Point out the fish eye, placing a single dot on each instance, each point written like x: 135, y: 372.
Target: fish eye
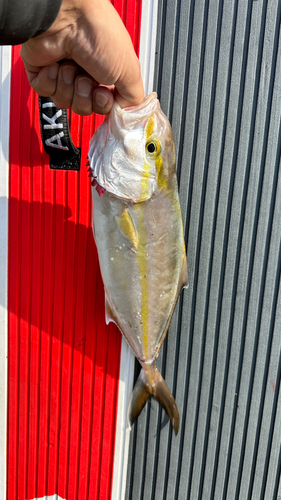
x: 153, y: 148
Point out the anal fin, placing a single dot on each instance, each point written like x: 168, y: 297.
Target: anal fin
x: 110, y: 317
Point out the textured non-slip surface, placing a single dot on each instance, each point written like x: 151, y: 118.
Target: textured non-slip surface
x: 64, y: 361
x: 218, y: 76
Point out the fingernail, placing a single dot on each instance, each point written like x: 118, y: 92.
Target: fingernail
x: 101, y: 100
x: 68, y: 74
x: 53, y: 71
x: 84, y: 87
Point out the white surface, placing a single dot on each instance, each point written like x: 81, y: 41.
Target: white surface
x: 148, y: 42
x: 50, y: 497
x: 126, y: 375
x: 5, y: 67
x: 147, y: 58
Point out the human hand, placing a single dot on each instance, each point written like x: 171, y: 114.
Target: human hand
x: 89, y: 34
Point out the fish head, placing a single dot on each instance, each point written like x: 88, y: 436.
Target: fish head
x: 132, y: 154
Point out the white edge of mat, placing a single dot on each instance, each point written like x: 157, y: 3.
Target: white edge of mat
x: 49, y: 497
x: 147, y: 60
x: 5, y: 78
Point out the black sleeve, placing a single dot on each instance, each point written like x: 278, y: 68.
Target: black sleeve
x: 24, y: 19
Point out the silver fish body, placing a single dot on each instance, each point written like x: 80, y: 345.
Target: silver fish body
x: 142, y: 256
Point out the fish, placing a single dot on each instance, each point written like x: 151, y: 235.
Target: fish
x: 138, y: 231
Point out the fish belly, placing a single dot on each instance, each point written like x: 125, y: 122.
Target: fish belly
x: 143, y: 265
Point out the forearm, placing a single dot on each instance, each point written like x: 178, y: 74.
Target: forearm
x: 21, y: 20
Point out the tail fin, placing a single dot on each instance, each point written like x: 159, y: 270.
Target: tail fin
x: 151, y: 383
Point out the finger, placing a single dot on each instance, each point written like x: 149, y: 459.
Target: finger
x: 129, y: 90
x: 113, y: 60
x: 63, y: 95
x: 43, y: 80
x: 82, y: 103
x: 103, y: 100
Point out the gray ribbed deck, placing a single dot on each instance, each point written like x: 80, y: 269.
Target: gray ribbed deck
x: 218, y: 77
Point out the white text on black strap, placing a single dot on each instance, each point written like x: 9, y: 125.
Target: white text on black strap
x: 55, y: 140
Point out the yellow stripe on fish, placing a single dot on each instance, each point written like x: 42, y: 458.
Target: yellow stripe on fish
x: 150, y: 127
x: 162, y: 180
x: 155, y: 153
x: 141, y: 229
x: 145, y: 182
x: 142, y: 252
x: 143, y: 269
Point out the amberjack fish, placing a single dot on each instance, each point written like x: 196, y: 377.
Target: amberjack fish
x: 139, y: 236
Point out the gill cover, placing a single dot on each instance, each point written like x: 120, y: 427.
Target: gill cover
x: 124, y: 150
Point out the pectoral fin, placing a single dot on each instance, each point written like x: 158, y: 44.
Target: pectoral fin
x: 126, y: 227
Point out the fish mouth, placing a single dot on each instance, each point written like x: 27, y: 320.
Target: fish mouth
x: 147, y: 102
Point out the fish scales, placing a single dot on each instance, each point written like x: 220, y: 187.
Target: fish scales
x: 139, y: 236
